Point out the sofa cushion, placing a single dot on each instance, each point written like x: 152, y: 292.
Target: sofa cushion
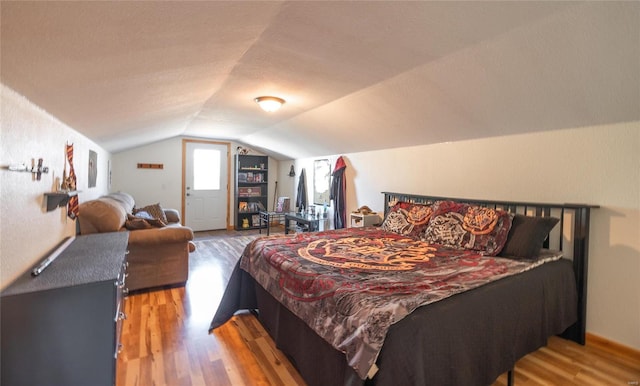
x: 160, y: 236
x: 173, y: 216
x: 125, y: 199
x: 101, y: 215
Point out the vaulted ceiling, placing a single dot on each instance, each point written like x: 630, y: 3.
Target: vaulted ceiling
x: 356, y: 76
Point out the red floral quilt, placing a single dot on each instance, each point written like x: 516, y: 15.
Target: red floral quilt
x: 350, y: 285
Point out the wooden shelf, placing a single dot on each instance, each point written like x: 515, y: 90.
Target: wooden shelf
x: 58, y: 199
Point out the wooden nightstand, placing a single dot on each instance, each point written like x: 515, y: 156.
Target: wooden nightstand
x: 358, y: 220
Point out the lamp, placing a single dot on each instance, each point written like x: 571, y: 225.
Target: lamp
x: 269, y: 103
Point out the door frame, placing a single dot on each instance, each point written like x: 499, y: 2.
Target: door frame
x: 184, y: 173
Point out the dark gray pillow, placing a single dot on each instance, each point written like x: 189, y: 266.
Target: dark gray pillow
x: 527, y: 235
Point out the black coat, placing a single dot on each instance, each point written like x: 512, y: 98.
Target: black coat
x: 301, y: 198
x: 338, y: 194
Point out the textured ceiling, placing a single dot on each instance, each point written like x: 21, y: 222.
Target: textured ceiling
x: 356, y: 76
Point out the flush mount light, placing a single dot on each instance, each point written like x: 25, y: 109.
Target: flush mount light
x: 269, y: 103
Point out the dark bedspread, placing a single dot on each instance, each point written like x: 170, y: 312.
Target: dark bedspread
x: 468, y: 338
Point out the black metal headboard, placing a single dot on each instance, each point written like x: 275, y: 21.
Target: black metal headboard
x: 571, y: 237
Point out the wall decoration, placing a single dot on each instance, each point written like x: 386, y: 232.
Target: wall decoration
x: 93, y: 168
x: 70, y: 182
x: 35, y: 170
x: 150, y: 166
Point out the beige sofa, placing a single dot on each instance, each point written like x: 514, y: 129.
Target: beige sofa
x: 158, y: 256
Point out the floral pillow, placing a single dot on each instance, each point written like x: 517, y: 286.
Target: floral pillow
x: 465, y: 226
x: 408, y: 219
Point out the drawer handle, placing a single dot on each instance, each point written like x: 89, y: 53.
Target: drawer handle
x: 122, y: 316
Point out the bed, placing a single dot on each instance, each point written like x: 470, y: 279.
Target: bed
x: 447, y: 291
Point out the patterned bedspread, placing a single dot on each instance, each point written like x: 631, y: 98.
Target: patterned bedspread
x: 351, y: 285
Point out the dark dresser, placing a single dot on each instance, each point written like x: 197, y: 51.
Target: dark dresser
x: 62, y: 327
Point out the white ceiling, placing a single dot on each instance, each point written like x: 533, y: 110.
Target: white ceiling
x: 356, y: 76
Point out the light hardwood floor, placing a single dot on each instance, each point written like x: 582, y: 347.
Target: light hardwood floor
x: 165, y: 338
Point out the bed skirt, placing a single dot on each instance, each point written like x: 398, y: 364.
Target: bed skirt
x: 470, y: 338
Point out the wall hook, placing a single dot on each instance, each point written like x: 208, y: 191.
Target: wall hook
x: 34, y: 169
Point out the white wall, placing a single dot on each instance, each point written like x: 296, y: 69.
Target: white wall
x: 151, y: 186
x: 595, y: 165
x: 164, y: 186
x: 27, y: 231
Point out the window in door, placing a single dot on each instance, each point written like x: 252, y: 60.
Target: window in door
x: 206, y: 169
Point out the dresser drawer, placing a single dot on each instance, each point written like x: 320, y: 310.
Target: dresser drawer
x: 120, y: 315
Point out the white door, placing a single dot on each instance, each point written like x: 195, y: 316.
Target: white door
x: 206, y: 186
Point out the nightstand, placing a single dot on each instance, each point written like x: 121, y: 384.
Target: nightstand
x: 358, y: 220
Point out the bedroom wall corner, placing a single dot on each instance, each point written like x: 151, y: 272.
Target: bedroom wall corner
x: 597, y: 165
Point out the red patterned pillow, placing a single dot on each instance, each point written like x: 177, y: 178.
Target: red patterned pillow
x: 408, y: 219
x: 465, y: 226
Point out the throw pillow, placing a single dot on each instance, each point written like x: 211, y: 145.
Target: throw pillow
x: 142, y: 220
x: 408, y: 219
x: 527, y: 235
x: 465, y: 226
x: 154, y: 210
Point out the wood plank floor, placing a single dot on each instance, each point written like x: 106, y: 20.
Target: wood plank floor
x: 165, y: 338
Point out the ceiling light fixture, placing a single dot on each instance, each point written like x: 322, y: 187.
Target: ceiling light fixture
x: 269, y: 103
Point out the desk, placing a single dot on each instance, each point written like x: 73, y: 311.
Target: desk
x: 310, y: 223
x: 267, y: 217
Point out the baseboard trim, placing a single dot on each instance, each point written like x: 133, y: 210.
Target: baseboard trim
x: 612, y: 347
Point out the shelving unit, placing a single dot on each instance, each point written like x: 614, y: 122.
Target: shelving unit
x: 251, y: 193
